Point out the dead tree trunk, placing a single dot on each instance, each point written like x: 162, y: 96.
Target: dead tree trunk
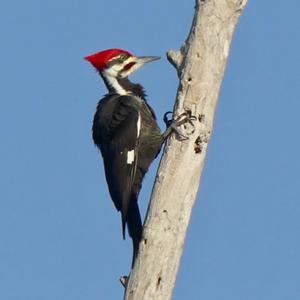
x: 200, y: 65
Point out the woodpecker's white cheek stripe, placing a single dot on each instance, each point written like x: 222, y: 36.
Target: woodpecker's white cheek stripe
x: 130, y: 157
x: 115, y: 84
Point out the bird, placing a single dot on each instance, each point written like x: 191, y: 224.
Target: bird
x: 126, y: 131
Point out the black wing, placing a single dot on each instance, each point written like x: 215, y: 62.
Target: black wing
x: 115, y: 131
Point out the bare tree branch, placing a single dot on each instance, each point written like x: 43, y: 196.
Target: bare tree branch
x: 200, y: 66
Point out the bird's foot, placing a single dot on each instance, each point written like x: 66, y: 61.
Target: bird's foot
x: 186, y: 119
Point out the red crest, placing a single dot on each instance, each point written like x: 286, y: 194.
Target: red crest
x: 100, y: 59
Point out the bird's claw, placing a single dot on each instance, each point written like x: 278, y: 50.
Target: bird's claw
x: 186, y: 118
x: 179, y: 134
x: 183, y: 119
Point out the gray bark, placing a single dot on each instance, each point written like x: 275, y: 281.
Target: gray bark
x: 200, y: 66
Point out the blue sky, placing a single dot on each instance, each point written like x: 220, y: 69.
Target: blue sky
x: 60, y: 234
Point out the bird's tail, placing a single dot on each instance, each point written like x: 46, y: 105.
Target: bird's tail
x: 135, y: 227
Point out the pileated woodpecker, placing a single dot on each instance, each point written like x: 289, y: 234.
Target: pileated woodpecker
x: 126, y: 132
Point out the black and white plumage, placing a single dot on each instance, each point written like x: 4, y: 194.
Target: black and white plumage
x: 126, y: 132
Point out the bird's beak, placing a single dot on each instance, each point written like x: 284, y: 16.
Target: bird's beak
x: 145, y: 59
x: 134, y: 63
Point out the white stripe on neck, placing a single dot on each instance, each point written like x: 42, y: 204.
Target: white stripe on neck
x: 138, y: 126
x: 114, y: 83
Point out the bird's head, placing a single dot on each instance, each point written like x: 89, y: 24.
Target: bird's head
x: 117, y: 63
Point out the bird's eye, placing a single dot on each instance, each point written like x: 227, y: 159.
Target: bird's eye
x: 123, y: 56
